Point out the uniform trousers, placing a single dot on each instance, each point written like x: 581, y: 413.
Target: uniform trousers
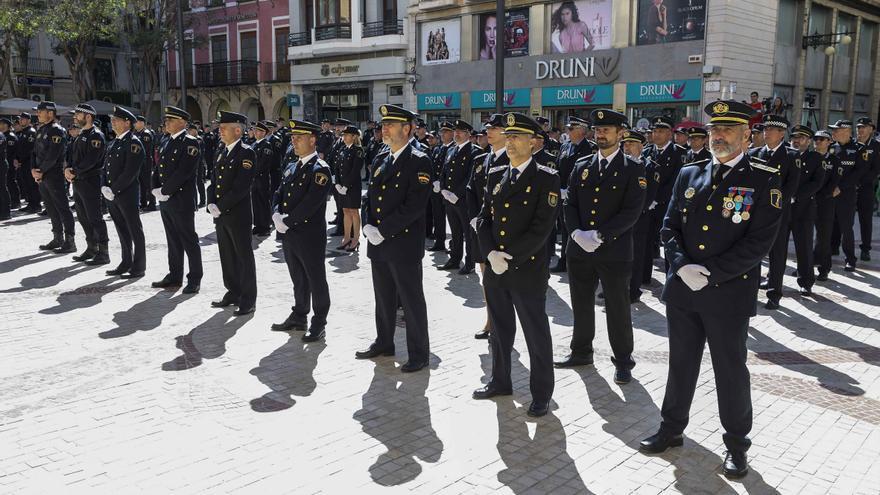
x: 778, y: 256
x: 180, y: 232
x: 124, y: 212
x: 803, y: 218
x: 30, y: 190
x: 146, y: 183
x: 53, y: 189
x: 843, y: 235
x: 87, y: 202
x: 261, y: 199
x: 643, y: 256
x: 393, y: 282
x: 237, y: 255
x: 865, y: 206
x: 305, y: 262
x: 5, y: 201
x: 438, y: 215
x: 462, y: 233
x: 824, y: 227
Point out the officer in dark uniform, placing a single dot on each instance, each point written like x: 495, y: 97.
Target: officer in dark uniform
x: 803, y: 209
x: 668, y: 160
x: 854, y: 165
x: 301, y: 219
x: 47, y: 166
x: 30, y: 190
x: 867, y: 193
x: 825, y: 203
x: 124, y: 159
x: 347, y: 183
x: 438, y: 208
x: 776, y: 155
x: 720, y: 224
x: 541, y: 155
x: 518, y: 213
x: 453, y: 188
x: 606, y: 197
x: 84, y: 170
x: 680, y: 136
x: 229, y: 202
x: 175, y: 189
x: 633, y: 143
x: 261, y: 188
x: 576, y: 148
x: 11, y: 175
x: 148, y: 138
x: 280, y: 141
x: 697, y: 151
x: 399, y: 189
x: 757, y: 136
x: 325, y: 139
x: 5, y: 202
x: 551, y: 145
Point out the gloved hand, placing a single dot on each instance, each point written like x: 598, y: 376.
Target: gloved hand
x: 653, y: 205
x: 436, y: 185
x: 373, y: 236
x: 694, y: 276
x: 213, y: 210
x: 563, y: 193
x: 588, y: 240
x: 341, y: 189
x: 278, y: 220
x: 498, y: 261
x: 159, y: 196
x: 450, y: 196
x: 474, y: 223
x: 108, y: 193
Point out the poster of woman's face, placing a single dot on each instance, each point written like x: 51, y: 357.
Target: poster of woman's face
x: 441, y: 42
x: 666, y: 21
x: 579, y: 26
x: 516, y: 34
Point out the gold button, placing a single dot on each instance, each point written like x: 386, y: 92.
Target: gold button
x: 595, y: 200
x: 532, y: 258
x: 745, y: 276
x: 684, y: 210
x: 702, y: 247
x: 220, y: 177
x: 406, y: 230
x: 380, y: 198
x: 593, y: 212
x: 501, y: 233
x: 705, y: 228
x: 378, y: 222
x: 383, y: 186
x: 525, y: 202
x: 503, y: 219
x: 378, y: 210
x: 597, y: 189
x: 708, y: 207
x: 507, y: 205
x: 714, y: 187
x: 592, y: 222
x: 501, y: 247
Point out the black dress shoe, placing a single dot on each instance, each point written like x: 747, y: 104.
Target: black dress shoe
x: 822, y: 277
x: 849, y: 267
x: 574, y: 360
x: 372, y: 352
x: 806, y: 292
x: 165, y: 283
x: 191, y: 288
x: 314, y: 335
x: 482, y: 335
x: 764, y: 285
x: 132, y: 275
x: 622, y: 376
x: 489, y: 391
x: 866, y: 256
x: 736, y: 464
x: 449, y: 265
x: 243, y: 311
x: 222, y: 303
x: 116, y: 271
x: 771, y: 304
x: 659, y: 442
x: 466, y: 269
x: 538, y: 408
x: 413, y: 366
x: 289, y: 325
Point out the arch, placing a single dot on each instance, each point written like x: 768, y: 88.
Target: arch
x: 216, y: 106
x: 281, y: 110
x: 253, y: 109
x: 193, y: 107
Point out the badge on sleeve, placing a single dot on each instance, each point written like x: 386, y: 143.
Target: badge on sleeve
x: 192, y: 150
x: 865, y: 155
x: 643, y: 183
x: 552, y: 199
x: 776, y: 198
x: 424, y: 178
x: 56, y: 139
x: 135, y: 148
x: 321, y: 179
x: 96, y: 143
x: 247, y: 164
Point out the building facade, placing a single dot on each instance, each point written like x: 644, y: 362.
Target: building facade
x: 234, y: 59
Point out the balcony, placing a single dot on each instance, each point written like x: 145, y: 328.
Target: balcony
x: 227, y: 73
x: 382, y: 28
x: 340, y: 31
x: 33, y: 66
x: 299, y: 39
x: 348, y: 39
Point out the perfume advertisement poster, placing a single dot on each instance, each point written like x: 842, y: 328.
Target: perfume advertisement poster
x: 580, y: 26
x: 666, y: 21
x: 516, y: 34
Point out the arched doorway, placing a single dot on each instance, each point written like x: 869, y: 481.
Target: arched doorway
x: 253, y: 109
x: 193, y: 108
x: 281, y: 110
x: 216, y: 106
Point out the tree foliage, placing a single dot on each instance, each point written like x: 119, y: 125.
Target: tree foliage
x: 19, y: 23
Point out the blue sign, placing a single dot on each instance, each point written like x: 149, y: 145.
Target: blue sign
x: 513, y: 98
x: 679, y: 90
x: 439, y: 101
x: 577, y: 96
x: 293, y: 100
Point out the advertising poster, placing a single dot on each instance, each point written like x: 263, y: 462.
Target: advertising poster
x: 441, y: 42
x: 667, y: 21
x: 516, y: 34
x: 580, y: 26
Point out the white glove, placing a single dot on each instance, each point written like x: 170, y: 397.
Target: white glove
x: 450, y: 196
x: 159, y: 196
x: 108, y: 193
x: 373, y: 235
x: 588, y: 240
x: 498, y: 261
x: 653, y: 205
x: 278, y: 220
x: 213, y: 210
x: 563, y: 193
x: 436, y: 186
x: 341, y: 189
x: 694, y: 276
x: 474, y: 223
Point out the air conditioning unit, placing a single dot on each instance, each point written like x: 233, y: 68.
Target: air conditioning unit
x: 36, y: 97
x: 695, y: 59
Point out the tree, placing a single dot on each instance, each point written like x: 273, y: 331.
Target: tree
x: 19, y: 22
x: 77, y: 26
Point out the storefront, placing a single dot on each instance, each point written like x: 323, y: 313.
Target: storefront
x: 437, y: 107
x: 561, y: 102
x: 678, y: 99
x: 483, y: 103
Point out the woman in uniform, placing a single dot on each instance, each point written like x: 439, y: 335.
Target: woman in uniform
x: 349, y: 163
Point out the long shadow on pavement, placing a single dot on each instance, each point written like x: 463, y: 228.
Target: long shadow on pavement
x: 86, y: 296
x: 16, y: 263
x: 206, y: 341
x: 48, y: 279
x: 145, y: 315
x: 287, y: 371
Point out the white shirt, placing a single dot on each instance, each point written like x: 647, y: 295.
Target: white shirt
x: 609, y: 157
x: 230, y: 146
x: 730, y: 163
x: 661, y: 150
x: 119, y: 137
x: 498, y: 152
x: 774, y: 149
x: 460, y: 146
x: 177, y: 135
x: 308, y: 157
x: 397, y: 154
x: 522, y: 168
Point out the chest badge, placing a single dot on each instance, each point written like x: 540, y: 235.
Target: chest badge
x: 585, y: 174
x: 497, y: 189
x: 552, y: 199
x: 689, y: 193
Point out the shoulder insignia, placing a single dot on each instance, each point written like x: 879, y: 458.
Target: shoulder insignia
x: 321, y: 179
x: 776, y: 198
x: 766, y: 168
x: 267, y: 151
x: 681, y: 147
x: 698, y: 162
x: 549, y: 170
x: 56, y: 139
x: 247, y: 164
x: 135, y: 148
x: 497, y: 168
x: 424, y: 177
x: 146, y: 138
x: 552, y: 199
x: 96, y: 143
x: 192, y: 150
x: 322, y: 163
x: 417, y: 152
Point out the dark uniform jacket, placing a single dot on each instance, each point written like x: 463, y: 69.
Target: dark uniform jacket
x: 831, y: 179
x: 667, y: 163
x: 783, y: 161
x: 457, y: 171
x: 653, y: 178
x: 812, y: 174
x: 870, y: 154
x: 49, y: 146
x: 24, y: 149
x: 87, y: 154
x: 148, y: 138
x: 397, y: 198
x: 325, y: 142
x: 699, y: 229
x: 609, y: 203
x: 517, y: 219
x: 350, y: 161
x: 697, y: 156
x: 230, y: 188
x: 568, y: 155
x: 11, y: 146
x: 853, y: 165
x: 177, y: 170
x: 439, y: 157
x: 303, y: 197
x: 476, y: 187
x: 266, y: 160
x: 544, y: 157
x: 125, y: 157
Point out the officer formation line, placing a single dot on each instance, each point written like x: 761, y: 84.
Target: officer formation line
x: 717, y: 199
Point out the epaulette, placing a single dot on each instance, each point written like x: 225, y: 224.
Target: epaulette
x: 760, y: 164
x: 320, y: 163
x: 587, y: 158
x: 187, y: 136
x: 498, y: 168
x: 698, y: 162
x: 481, y: 156
x: 418, y: 153
x: 547, y: 169
x: 680, y: 147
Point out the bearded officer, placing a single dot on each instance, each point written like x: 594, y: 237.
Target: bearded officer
x: 84, y: 171
x: 803, y: 208
x: 606, y: 196
x: 576, y: 148
x: 634, y: 147
x: 47, y: 170
x: 721, y: 222
x: 229, y: 202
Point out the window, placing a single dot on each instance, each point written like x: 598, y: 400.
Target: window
x: 845, y: 23
x: 820, y: 18
x: 395, y: 90
x: 248, y: 45
x: 787, y: 23
x: 281, y: 35
x: 218, y: 49
x: 389, y: 10
x: 867, y: 46
x: 333, y: 12
x: 104, y: 74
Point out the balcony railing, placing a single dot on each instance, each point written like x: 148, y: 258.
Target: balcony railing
x: 33, y: 66
x: 299, y: 39
x: 340, y: 31
x: 228, y: 73
x: 382, y: 28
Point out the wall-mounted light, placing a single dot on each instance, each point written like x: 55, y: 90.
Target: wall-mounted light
x: 828, y: 41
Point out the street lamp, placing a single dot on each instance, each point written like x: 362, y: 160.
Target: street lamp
x: 828, y: 41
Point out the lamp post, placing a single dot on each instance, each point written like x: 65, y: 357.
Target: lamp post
x: 828, y: 41
x: 499, y: 56
x: 181, y: 56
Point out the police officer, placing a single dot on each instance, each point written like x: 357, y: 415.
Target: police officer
x: 577, y: 147
x: 721, y: 222
x: 825, y: 203
x: 681, y: 137
x: 606, y: 196
x: 325, y: 139
x: 866, y: 198
x: 854, y: 165
x: 11, y: 176
x: 84, y: 170
x: 453, y: 188
x: 347, y: 183
x: 438, y: 209
x: 229, y: 202
x: 399, y: 189
x: 697, y: 151
x: 261, y: 188
x: 124, y: 159
x: 518, y: 213
x: 301, y: 219
x: 803, y: 208
x: 5, y: 202
x: 175, y: 189
x: 757, y: 136
x: 30, y: 190
x: 148, y: 138
x: 782, y: 159
x: 47, y: 170
x: 633, y: 142
x: 553, y: 146
x: 668, y: 160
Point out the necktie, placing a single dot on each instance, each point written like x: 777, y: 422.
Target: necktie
x: 603, y: 164
x: 514, y: 173
x: 720, y: 170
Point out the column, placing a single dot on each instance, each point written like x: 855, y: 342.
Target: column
x: 853, y: 66
x: 829, y: 66
x: 798, y: 97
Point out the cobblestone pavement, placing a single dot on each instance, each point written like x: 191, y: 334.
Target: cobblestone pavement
x: 110, y: 386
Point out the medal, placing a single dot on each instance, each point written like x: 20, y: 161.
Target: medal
x: 689, y: 193
x: 737, y: 218
x: 725, y: 213
x: 729, y: 204
x: 745, y: 215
